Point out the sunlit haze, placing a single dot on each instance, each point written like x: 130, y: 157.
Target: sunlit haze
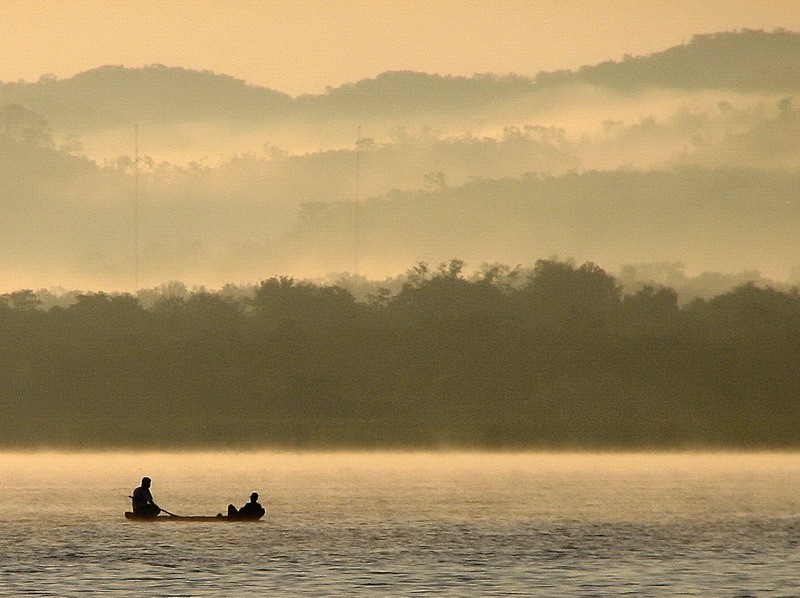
x: 303, y: 46
x: 443, y: 297
x: 316, y: 139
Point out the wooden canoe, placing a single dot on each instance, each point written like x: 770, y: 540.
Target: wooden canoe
x: 186, y: 519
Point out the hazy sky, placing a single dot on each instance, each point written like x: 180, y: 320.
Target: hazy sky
x: 300, y: 46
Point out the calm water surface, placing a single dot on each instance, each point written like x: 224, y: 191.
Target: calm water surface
x: 405, y: 524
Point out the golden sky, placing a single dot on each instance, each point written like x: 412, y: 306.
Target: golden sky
x: 301, y: 46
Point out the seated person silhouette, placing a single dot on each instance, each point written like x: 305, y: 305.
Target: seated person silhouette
x: 252, y: 510
x: 142, y: 501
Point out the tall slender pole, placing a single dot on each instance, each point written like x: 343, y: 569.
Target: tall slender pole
x: 136, y: 210
x: 356, y: 223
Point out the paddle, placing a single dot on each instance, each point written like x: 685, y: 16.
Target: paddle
x: 163, y: 510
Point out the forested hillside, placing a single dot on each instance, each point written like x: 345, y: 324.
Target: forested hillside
x: 729, y: 204
x: 552, y: 358
x: 744, y: 61
x: 748, y: 60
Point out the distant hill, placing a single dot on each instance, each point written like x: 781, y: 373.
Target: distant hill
x: 114, y: 95
x: 747, y: 60
x: 408, y: 92
x: 754, y: 61
x: 720, y: 219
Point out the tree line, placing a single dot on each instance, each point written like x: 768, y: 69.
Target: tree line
x: 550, y: 357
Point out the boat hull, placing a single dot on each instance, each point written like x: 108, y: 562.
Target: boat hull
x: 185, y: 519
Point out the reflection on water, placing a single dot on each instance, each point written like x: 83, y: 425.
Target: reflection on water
x: 400, y: 523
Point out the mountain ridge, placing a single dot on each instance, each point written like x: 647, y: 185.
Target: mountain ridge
x: 742, y: 61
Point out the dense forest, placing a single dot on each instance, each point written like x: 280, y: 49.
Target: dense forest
x: 549, y: 357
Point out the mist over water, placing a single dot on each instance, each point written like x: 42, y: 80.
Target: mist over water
x: 405, y: 523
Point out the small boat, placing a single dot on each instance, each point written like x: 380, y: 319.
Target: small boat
x: 188, y: 518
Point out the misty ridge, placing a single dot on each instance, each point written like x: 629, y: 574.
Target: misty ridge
x: 555, y: 356
x: 630, y: 226
x: 684, y: 161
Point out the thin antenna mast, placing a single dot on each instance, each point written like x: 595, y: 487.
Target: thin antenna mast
x: 356, y: 223
x: 136, y: 210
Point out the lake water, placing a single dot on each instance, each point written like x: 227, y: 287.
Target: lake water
x: 405, y: 524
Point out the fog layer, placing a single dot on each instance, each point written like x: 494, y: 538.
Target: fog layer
x: 688, y: 155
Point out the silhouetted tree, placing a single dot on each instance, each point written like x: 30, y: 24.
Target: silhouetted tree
x: 21, y: 126
x: 23, y: 301
x: 651, y: 303
x: 560, y: 292
x: 282, y: 302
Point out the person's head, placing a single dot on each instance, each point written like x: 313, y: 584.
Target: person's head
x: 254, y: 497
x: 146, y: 482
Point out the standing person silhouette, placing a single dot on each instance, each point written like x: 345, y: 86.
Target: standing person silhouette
x: 142, y: 501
